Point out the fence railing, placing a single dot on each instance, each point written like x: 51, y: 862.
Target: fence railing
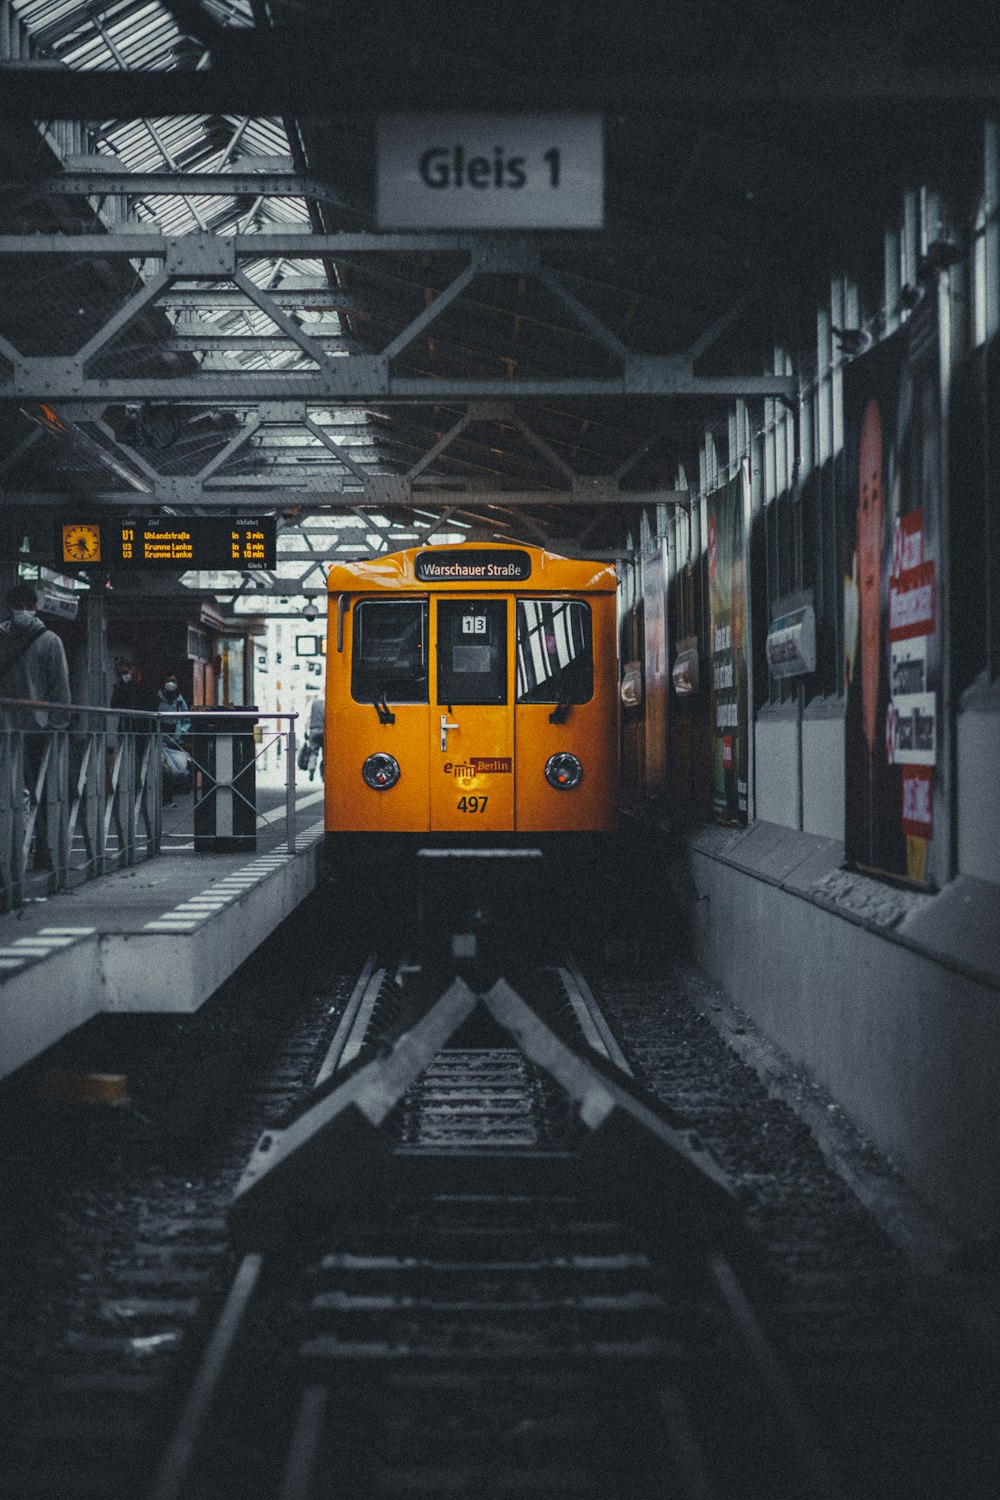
x: 83, y: 796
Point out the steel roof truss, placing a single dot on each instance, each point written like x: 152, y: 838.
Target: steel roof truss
x: 142, y: 464
x: 287, y: 325
x: 582, y: 314
x: 94, y: 182
x: 16, y: 453
x: 542, y: 447
x: 439, y: 447
x: 335, y: 448
x: 214, y: 257
x: 234, y: 445
x: 430, y: 313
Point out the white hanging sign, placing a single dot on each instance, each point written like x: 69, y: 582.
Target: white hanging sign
x: 459, y: 171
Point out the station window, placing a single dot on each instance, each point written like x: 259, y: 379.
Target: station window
x: 472, y: 651
x: 389, y: 663
x: 555, y: 657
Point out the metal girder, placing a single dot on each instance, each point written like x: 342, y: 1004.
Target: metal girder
x: 98, y: 183
x: 513, y: 255
x: 355, y: 377
x: 359, y: 378
x: 234, y: 343
x: 290, y: 294
x: 280, y: 70
x: 379, y: 492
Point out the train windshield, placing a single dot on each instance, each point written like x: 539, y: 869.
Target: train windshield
x: 389, y: 663
x: 555, y: 657
x: 472, y: 651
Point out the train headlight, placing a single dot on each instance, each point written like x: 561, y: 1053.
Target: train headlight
x: 380, y: 771
x: 563, y: 771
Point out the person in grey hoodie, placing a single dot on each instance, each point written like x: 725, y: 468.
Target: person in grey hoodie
x: 32, y: 665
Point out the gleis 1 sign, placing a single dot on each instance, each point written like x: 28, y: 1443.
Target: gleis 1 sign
x: 490, y: 172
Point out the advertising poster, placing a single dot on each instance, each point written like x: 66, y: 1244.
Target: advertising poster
x: 657, y: 677
x: 892, y: 605
x: 728, y: 646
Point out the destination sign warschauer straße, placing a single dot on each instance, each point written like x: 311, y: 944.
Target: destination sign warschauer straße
x: 240, y: 544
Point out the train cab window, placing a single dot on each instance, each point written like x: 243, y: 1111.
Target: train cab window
x: 555, y: 656
x: 472, y: 651
x: 389, y: 662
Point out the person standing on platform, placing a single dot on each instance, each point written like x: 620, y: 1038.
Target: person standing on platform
x: 316, y: 731
x: 33, y: 665
x: 132, y: 691
x: 176, y: 767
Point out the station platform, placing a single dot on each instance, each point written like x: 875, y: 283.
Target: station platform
x: 160, y: 936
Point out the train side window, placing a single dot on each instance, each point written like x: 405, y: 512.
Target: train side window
x: 472, y: 651
x: 389, y: 662
x: 555, y: 654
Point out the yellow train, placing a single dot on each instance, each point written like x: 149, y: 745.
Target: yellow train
x: 471, y: 694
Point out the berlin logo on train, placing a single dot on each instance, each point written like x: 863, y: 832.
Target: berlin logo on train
x: 485, y: 765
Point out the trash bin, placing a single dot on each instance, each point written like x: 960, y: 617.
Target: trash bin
x: 225, y: 808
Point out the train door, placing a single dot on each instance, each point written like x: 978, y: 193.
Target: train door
x: 472, y: 728
x: 566, y: 714
x: 378, y: 707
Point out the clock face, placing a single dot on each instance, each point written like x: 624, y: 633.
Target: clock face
x: 81, y: 543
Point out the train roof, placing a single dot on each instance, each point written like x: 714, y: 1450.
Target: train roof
x: 479, y: 565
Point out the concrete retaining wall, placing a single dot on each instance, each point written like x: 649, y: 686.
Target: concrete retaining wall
x: 839, y: 972
x: 57, y: 978
x: 177, y: 971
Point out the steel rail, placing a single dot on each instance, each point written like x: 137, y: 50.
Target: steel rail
x: 774, y: 1380
x: 349, y: 1035
x: 177, y: 1460
x: 446, y: 1099
x: 301, y: 1464
x: 590, y: 1016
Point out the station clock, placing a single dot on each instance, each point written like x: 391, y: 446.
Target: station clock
x: 81, y: 543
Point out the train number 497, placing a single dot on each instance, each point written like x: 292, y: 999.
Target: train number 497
x: 472, y: 804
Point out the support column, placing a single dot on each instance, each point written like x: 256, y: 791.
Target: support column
x: 94, y: 686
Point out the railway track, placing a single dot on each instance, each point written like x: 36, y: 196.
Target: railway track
x: 478, y: 1261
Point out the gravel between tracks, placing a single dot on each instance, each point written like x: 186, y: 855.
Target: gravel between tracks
x: 899, y: 1377
x: 897, y: 1364
x: 115, y: 1244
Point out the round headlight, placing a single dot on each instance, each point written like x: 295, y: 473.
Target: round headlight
x: 380, y: 771
x: 563, y: 771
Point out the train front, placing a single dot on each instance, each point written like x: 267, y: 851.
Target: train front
x: 471, y: 697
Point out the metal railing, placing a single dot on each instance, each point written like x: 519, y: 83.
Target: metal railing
x: 84, y: 797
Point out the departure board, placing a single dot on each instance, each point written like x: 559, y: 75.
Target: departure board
x: 243, y: 544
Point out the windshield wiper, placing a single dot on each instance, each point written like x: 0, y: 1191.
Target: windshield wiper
x: 569, y: 674
x: 381, y: 707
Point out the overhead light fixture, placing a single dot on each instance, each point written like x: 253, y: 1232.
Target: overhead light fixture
x: 940, y: 254
x: 852, y: 341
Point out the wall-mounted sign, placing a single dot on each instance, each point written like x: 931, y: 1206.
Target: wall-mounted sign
x: 455, y: 171
x: 224, y: 543
x: 52, y: 602
x: 310, y: 645
x: 506, y: 566
x: 631, y: 684
x: 892, y: 528
x: 791, y: 643
x: 685, y: 668
x: 199, y: 644
x: 728, y: 644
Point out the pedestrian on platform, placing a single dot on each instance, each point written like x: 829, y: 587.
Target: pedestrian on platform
x: 176, y: 765
x: 33, y: 666
x: 132, y: 691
